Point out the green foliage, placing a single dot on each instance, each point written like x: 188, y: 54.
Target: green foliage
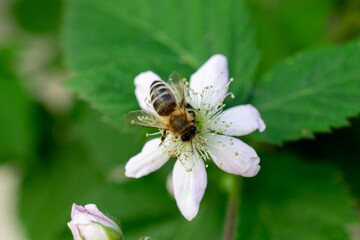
x: 294, y: 199
x: 16, y: 131
x: 286, y: 27
x: 107, y: 43
x: 104, y: 145
x: 309, y: 93
x: 126, y: 38
x: 39, y: 16
x: 108, y: 90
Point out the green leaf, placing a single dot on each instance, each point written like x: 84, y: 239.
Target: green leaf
x: 16, y: 113
x: 293, y: 199
x: 129, y: 37
x: 309, y: 93
x: 107, y: 90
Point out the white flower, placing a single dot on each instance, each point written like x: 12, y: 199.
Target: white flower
x: 207, y: 89
x: 88, y: 223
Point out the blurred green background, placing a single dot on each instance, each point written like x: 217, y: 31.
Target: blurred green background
x: 56, y: 149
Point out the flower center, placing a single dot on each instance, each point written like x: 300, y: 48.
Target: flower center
x: 207, y: 118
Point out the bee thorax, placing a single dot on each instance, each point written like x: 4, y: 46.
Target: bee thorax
x: 179, y: 124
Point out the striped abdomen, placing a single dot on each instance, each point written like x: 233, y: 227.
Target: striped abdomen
x: 162, y: 98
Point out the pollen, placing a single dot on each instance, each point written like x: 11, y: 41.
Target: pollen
x: 208, y: 122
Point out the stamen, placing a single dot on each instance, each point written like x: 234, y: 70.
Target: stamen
x: 207, y: 120
x: 153, y: 134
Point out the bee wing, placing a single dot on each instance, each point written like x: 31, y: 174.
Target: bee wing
x: 143, y: 119
x: 176, y: 83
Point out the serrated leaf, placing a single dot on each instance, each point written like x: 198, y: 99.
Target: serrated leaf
x: 108, y: 43
x: 107, y: 90
x: 310, y: 92
x: 294, y: 199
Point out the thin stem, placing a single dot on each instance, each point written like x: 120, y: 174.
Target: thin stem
x: 232, y: 212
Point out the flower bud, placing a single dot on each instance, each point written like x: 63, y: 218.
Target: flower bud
x: 88, y: 223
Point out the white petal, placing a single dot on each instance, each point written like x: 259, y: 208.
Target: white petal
x: 233, y: 156
x: 99, y: 216
x: 214, y: 72
x: 150, y: 159
x: 189, y: 186
x: 143, y: 82
x: 240, y: 120
x: 92, y: 231
x: 75, y: 231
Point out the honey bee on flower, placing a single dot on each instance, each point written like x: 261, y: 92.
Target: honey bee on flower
x: 194, y: 128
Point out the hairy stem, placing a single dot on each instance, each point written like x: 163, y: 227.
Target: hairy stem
x: 233, y: 205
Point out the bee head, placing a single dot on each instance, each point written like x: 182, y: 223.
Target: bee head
x: 189, y: 135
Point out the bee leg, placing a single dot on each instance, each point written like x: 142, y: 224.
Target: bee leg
x: 189, y: 106
x: 164, y: 134
x: 182, y: 103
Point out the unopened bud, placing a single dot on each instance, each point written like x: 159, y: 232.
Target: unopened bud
x: 88, y: 223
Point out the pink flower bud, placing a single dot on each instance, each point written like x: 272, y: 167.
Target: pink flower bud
x: 88, y: 223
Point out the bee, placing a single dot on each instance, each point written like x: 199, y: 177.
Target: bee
x: 174, y: 115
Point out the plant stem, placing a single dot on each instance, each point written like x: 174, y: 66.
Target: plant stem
x: 232, y: 208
